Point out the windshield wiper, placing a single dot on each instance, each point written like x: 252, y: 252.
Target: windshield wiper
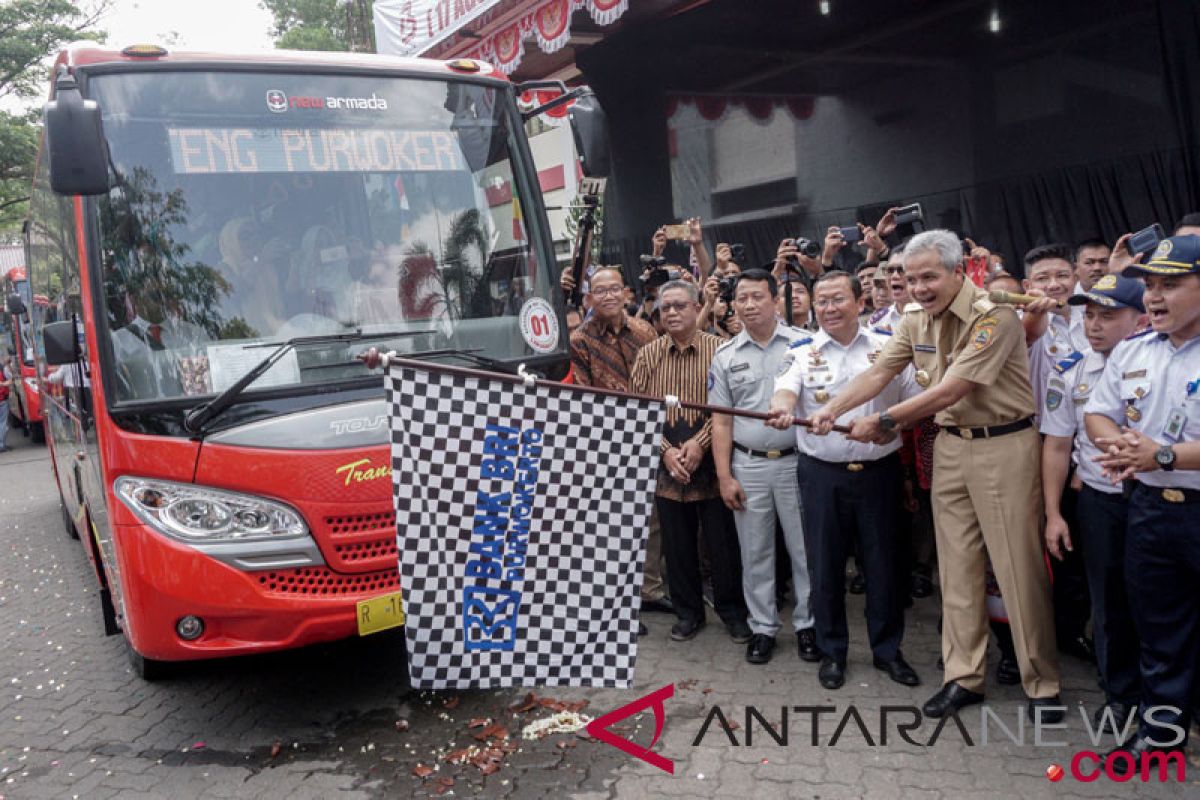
x: 195, y: 419
x: 472, y: 356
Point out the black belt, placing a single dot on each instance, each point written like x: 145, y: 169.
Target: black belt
x: 989, y: 433
x: 1169, y: 495
x: 764, y: 453
x: 856, y: 466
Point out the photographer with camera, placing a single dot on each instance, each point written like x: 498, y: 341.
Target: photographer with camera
x: 837, y: 238
x: 716, y: 316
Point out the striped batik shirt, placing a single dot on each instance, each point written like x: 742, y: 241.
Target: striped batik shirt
x: 664, y: 368
x: 602, y: 355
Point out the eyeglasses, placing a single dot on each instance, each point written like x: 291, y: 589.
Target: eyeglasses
x: 608, y: 291
x: 826, y: 302
x: 893, y: 270
x: 665, y: 307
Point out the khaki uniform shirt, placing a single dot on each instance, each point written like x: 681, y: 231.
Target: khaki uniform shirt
x: 976, y: 340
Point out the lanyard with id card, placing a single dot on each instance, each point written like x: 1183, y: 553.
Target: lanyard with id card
x: 1173, y: 430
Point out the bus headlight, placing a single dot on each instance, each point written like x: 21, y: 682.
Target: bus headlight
x: 197, y: 514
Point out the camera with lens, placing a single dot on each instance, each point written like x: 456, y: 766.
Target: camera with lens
x: 807, y: 247
x: 726, y: 287
x: 655, y: 273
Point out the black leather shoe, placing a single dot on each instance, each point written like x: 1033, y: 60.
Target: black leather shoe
x: 950, y: 698
x: 921, y: 586
x: 642, y: 630
x: 806, y: 645
x: 739, y: 631
x: 858, y: 584
x: 832, y: 674
x: 1008, y: 673
x: 1136, y: 748
x: 1120, y: 713
x: 663, y: 606
x: 760, y: 649
x: 899, y: 670
x: 1053, y: 711
x: 686, y: 629
x: 1081, y: 647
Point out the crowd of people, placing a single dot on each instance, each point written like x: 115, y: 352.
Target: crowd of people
x: 1040, y: 451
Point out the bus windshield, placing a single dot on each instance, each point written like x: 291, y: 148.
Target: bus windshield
x: 252, y: 208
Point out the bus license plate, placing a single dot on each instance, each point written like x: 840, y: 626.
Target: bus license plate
x: 380, y: 613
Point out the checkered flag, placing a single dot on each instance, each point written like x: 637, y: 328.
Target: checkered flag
x: 522, y: 517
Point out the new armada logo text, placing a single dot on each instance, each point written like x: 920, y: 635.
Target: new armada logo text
x: 279, y: 102
x: 358, y: 424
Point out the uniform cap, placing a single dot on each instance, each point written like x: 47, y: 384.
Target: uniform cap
x: 1112, y: 291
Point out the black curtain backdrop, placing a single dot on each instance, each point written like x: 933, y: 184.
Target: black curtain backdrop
x: 1122, y: 152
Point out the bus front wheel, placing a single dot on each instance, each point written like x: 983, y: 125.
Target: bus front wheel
x: 68, y: 523
x: 147, y: 668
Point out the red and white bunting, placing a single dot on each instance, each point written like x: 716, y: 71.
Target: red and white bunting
x: 549, y: 24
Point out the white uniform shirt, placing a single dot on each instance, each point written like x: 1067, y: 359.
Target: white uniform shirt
x: 885, y: 319
x: 742, y: 376
x: 1057, y: 350
x: 817, y: 371
x: 155, y: 373
x: 1153, y: 386
x: 1062, y: 407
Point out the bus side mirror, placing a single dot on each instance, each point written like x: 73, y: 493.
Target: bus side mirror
x: 15, y: 305
x: 62, y: 346
x: 75, y: 141
x: 590, y: 128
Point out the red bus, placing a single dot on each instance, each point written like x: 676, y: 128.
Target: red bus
x: 25, y: 400
x: 219, y: 237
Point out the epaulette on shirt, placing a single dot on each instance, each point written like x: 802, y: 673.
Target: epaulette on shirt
x: 877, y: 315
x: 911, y: 307
x: 725, y: 344
x: 1139, y: 334
x: 800, y: 343
x: 881, y: 331
x: 1065, y: 364
x: 983, y: 305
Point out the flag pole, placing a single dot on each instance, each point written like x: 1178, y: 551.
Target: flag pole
x: 373, y: 358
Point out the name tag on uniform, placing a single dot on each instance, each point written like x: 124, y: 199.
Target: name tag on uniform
x: 1174, y: 427
x: 1137, y: 373
x: 925, y: 348
x: 739, y: 367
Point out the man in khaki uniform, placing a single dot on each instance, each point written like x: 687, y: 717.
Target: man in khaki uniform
x: 986, y: 467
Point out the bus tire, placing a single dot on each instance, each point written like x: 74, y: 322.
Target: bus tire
x: 37, y: 432
x: 147, y: 669
x: 68, y: 523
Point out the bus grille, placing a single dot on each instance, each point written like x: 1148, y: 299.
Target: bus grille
x: 358, y: 543
x: 324, y: 582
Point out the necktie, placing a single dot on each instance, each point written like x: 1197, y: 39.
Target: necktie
x: 154, y: 333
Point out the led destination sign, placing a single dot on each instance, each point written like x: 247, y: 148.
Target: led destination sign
x: 253, y: 150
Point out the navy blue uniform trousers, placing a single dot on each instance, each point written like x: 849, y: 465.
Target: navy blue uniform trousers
x: 841, y: 505
x: 1162, y: 572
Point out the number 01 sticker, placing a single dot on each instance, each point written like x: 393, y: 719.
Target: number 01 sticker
x: 539, y: 325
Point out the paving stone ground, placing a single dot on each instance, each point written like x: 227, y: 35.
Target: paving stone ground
x: 322, y: 722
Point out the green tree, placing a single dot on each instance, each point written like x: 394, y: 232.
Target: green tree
x: 323, y: 24
x: 31, y: 30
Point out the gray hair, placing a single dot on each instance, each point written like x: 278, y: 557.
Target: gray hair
x: 687, y: 286
x: 944, y: 243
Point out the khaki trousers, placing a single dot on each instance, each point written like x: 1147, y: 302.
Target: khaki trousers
x: 987, y: 499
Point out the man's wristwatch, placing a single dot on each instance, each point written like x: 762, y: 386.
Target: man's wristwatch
x: 1165, y: 458
x: 887, y: 421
